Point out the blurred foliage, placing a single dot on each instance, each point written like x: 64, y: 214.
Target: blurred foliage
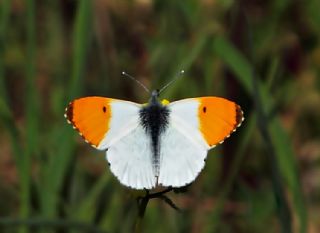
x: 264, y: 55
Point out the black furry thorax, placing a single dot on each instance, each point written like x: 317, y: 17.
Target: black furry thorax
x: 154, y: 119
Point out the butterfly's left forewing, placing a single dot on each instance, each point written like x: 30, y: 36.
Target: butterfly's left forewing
x: 114, y: 125
x: 102, y: 121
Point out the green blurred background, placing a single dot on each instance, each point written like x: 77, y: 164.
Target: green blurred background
x: 264, y: 55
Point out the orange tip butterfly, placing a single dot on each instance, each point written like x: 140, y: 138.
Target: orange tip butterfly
x: 155, y: 144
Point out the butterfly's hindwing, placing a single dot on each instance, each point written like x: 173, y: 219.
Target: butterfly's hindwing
x: 181, y: 159
x: 131, y: 159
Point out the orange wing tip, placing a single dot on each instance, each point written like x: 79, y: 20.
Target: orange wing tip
x: 69, y: 117
x: 77, y: 110
x: 239, y: 120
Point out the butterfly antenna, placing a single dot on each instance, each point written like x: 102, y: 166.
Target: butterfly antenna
x: 173, y: 80
x: 136, y: 80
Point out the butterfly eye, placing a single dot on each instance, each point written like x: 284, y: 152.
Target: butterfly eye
x: 204, y: 109
x: 104, y: 109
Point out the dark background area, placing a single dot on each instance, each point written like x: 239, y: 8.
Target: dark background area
x: 264, y: 55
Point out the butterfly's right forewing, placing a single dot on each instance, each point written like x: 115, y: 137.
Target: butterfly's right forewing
x: 195, y: 126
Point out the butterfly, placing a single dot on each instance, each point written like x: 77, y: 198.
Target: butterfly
x: 158, y: 143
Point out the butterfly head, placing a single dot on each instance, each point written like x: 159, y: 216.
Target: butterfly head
x: 154, y: 100
x: 154, y: 97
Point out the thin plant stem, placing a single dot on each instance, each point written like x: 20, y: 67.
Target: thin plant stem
x: 283, y: 207
x: 142, y: 206
x: 143, y: 202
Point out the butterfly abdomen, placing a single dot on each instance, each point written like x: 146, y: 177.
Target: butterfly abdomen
x: 154, y: 119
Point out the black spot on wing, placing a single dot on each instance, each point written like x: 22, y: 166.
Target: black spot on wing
x: 204, y: 109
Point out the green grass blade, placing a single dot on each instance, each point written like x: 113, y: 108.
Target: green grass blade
x: 289, y: 169
x: 80, y: 47
x: 6, y: 117
x: 186, y: 62
x: 86, y: 210
x: 213, y: 220
x: 32, y: 105
x: 4, y: 21
x: 284, y: 156
x: 61, y: 156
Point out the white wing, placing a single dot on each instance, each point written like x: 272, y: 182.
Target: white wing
x: 195, y: 126
x: 113, y: 125
x: 129, y: 147
x: 181, y: 160
x: 183, y: 149
x: 130, y: 160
